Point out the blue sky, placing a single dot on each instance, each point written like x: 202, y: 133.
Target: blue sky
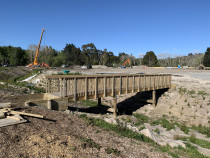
x: 175, y: 27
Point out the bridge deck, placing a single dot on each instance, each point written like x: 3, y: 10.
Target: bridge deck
x: 83, y: 87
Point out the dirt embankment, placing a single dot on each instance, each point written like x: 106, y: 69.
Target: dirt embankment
x: 68, y: 136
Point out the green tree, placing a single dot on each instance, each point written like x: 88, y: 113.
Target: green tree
x: 206, y: 58
x: 150, y: 59
x: 13, y: 55
x: 72, y: 54
x: 89, y: 52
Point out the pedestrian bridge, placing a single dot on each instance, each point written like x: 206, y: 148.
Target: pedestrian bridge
x: 83, y: 87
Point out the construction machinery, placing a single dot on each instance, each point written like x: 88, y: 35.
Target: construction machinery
x: 35, y: 63
x: 124, y: 65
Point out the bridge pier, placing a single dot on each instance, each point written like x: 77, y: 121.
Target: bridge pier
x: 99, y: 102
x: 115, y: 106
x: 154, y: 98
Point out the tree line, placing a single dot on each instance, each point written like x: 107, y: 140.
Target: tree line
x: 88, y: 54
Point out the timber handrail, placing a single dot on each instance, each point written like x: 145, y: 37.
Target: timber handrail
x: 83, y: 87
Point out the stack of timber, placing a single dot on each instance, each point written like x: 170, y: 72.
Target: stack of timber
x: 9, y: 116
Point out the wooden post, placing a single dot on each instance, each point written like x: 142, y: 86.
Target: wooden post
x: 96, y: 88
x: 58, y: 84
x: 104, y: 86
x: 150, y: 82
x: 154, y: 83
x: 75, y: 89
x: 170, y: 81
x: 126, y: 85
x: 65, y: 87
x: 139, y: 84
x: 115, y: 105
x: 99, y: 102
x: 113, y: 86
x: 144, y: 83
x: 86, y: 88
x: 133, y: 84
x: 120, y: 92
x: 49, y: 104
x: 47, y: 88
x: 60, y: 81
x: 154, y: 97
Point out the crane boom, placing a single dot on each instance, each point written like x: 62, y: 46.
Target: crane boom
x: 37, y: 52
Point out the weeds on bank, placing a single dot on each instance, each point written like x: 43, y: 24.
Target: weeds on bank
x: 113, y: 151
x: 202, y: 129
x: 194, y: 140
x: 203, y: 93
x: 14, y: 81
x: 141, y: 119
x: 89, y: 103
x: 91, y: 143
x: 189, y: 151
x: 182, y: 90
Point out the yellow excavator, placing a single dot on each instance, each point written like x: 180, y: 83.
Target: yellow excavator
x: 35, y: 63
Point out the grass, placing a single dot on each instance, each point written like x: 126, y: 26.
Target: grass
x: 89, y: 103
x: 203, y: 93
x: 194, y: 140
x: 164, y: 123
x: 113, y: 151
x: 122, y: 131
x: 189, y: 151
x: 191, y: 92
x: 33, y: 72
x: 202, y: 129
x: 91, y: 143
x: 141, y: 119
x: 182, y: 90
x: 13, y: 80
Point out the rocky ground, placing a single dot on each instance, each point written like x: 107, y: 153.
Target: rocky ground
x: 186, y: 105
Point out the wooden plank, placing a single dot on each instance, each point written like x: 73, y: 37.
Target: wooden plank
x: 8, y: 121
x: 139, y: 84
x: 5, y: 105
x: 26, y: 114
x: 14, y: 117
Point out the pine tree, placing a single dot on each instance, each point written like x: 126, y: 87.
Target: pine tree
x: 150, y: 59
x: 206, y: 58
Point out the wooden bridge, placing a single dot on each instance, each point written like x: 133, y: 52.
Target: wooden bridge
x: 83, y: 87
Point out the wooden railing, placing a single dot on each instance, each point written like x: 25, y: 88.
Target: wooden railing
x: 83, y: 87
